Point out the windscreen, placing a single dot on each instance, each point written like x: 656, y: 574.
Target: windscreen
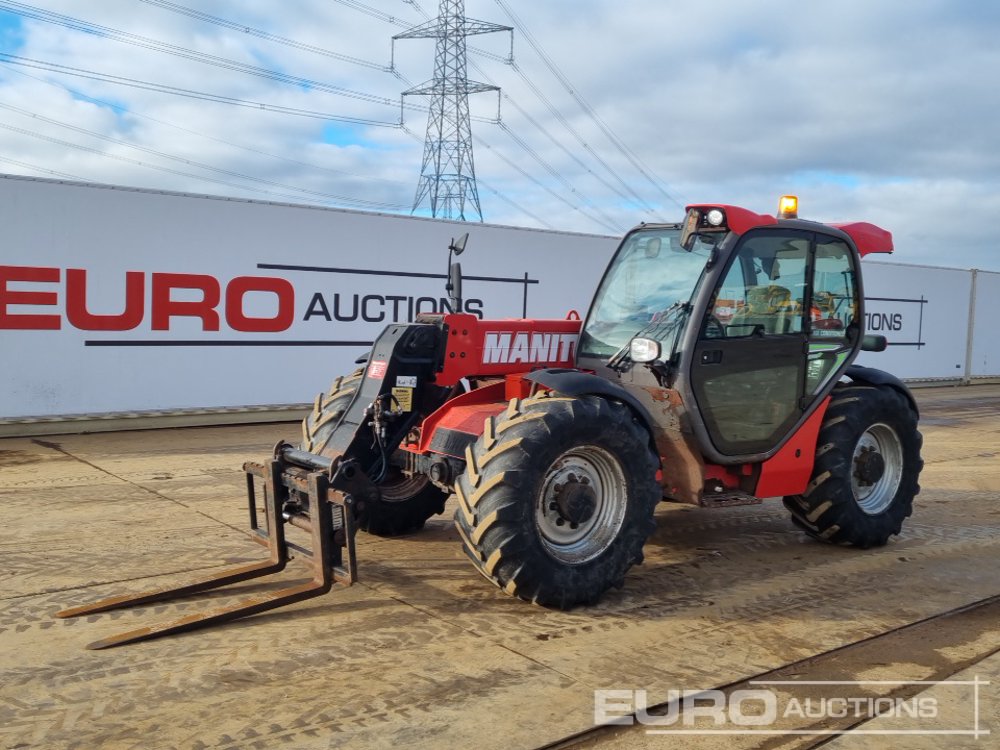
x: 650, y: 274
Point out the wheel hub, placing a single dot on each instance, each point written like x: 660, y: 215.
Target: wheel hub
x: 869, y: 466
x: 581, y: 504
x: 877, y: 468
x: 575, y: 500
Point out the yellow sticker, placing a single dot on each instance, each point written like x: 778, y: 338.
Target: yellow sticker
x: 403, y: 398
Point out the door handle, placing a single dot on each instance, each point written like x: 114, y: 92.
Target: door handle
x: 711, y: 357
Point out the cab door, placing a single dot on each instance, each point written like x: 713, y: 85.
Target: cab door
x: 750, y: 370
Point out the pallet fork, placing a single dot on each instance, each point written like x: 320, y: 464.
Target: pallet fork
x: 334, y: 488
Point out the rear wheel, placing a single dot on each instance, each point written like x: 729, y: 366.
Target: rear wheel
x: 406, y: 502
x: 557, y: 498
x: 867, y: 469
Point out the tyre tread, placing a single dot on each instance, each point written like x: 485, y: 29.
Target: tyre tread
x: 827, y: 509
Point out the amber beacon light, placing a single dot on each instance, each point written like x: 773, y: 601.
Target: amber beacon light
x: 788, y: 207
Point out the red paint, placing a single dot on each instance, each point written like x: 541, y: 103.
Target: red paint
x: 515, y: 386
x: 35, y: 321
x: 486, y: 348
x: 786, y: 473
x: 464, y: 413
x: 165, y: 307
x: 868, y: 237
x: 739, y: 220
x: 80, y: 317
x: 239, y: 321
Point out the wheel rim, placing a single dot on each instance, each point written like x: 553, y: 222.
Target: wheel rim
x: 877, y: 468
x: 581, y: 505
x: 399, y: 487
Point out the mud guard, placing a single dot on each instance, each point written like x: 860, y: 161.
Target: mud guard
x: 871, y: 376
x: 579, y: 383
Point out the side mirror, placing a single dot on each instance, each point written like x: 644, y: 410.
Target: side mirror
x: 458, y: 246
x: 642, y: 350
x: 691, y: 220
x: 874, y: 343
x: 455, y: 286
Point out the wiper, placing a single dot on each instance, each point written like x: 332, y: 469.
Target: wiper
x: 665, y: 322
x: 619, y: 357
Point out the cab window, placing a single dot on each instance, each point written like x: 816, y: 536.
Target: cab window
x: 764, y: 291
x: 833, y: 311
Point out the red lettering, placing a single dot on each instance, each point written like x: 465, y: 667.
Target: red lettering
x: 10, y: 297
x: 239, y: 321
x: 76, y: 303
x: 165, y: 308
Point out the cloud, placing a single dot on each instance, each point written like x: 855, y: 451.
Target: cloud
x: 872, y: 111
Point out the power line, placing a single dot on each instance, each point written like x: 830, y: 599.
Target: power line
x: 39, y: 14
x: 36, y: 168
x: 261, y: 34
x: 632, y: 195
x: 145, y: 42
x: 268, y: 36
x: 560, y: 76
x: 516, y: 167
x: 125, y: 159
x: 189, y: 93
x: 627, y: 194
x: 133, y: 113
x: 516, y: 206
x: 605, y: 220
x: 374, y: 13
x: 190, y: 162
x: 558, y: 143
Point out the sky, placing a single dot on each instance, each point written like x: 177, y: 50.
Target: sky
x: 611, y: 114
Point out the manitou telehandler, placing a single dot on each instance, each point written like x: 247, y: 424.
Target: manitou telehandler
x: 714, y: 367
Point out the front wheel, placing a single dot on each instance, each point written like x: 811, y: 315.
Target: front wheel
x: 867, y: 469
x: 557, y: 498
x: 405, y: 502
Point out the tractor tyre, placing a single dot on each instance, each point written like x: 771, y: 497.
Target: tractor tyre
x: 557, y: 498
x: 405, y: 502
x: 867, y: 469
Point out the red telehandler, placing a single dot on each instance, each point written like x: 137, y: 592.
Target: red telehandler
x: 714, y: 367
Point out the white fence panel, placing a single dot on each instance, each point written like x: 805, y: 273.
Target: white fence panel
x: 984, y: 360
x: 317, y: 284
x: 118, y: 300
x: 924, y: 313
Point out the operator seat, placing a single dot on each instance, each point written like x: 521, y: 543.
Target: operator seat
x: 770, y: 307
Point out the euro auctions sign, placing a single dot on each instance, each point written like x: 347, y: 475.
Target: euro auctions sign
x: 122, y: 300
x: 244, y: 304
x: 172, y: 295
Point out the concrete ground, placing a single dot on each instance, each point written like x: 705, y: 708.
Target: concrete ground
x: 424, y: 653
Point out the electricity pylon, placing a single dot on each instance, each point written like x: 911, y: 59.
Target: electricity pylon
x: 448, y: 173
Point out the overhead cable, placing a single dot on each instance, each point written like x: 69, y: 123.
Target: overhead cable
x: 125, y: 110
x: 189, y: 93
x: 170, y: 157
x: 40, y: 14
x: 261, y: 34
x: 587, y: 108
